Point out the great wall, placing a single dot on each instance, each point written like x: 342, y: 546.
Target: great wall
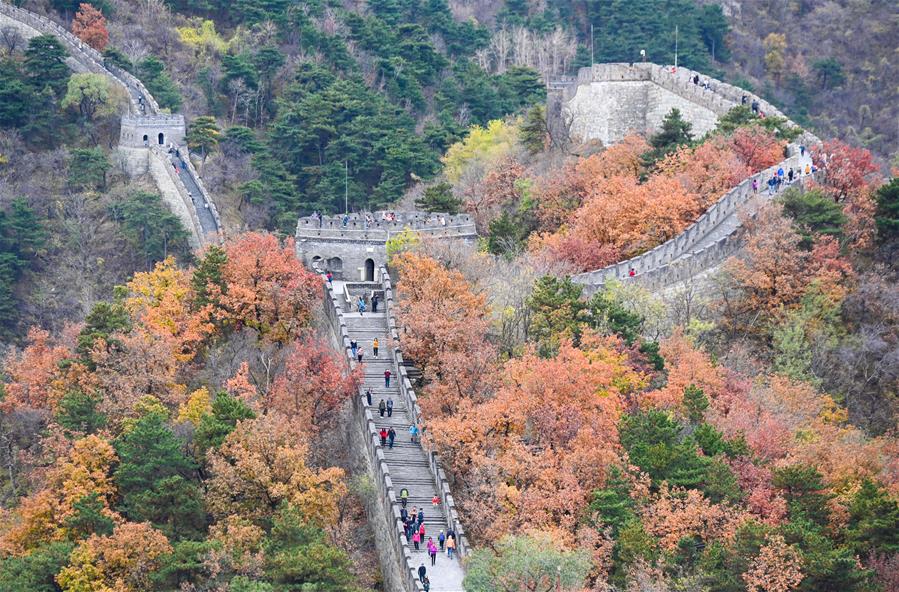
x: 146, y: 133
x: 607, y: 101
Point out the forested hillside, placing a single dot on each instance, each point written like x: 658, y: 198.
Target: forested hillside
x: 178, y: 420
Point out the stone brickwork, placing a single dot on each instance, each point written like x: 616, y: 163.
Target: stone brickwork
x: 355, y: 250
x: 606, y: 102
x: 715, y: 235
x: 141, y: 131
x: 406, y: 464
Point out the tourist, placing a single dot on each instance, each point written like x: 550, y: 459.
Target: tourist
x: 631, y: 272
x: 361, y: 305
x: 389, y: 407
x: 450, y: 546
x: 415, y: 539
x: 353, y: 347
x: 421, y: 517
x: 808, y: 170
x: 346, y: 219
x: 426, y: 584
x: 359, y: 353
x: 755, y: 107
x: 330, y: 277
x: 755, y: 185
x: 368, y: 397
x: 801, y: 150
x: 435, y: 501
x: 386, y: 378
x: 432, y: 551
x: 413, y: 432
x: 404, y: 515
x: 790, y: 174
x: 413, y: 515
x: 422, y: 570
x: 374, y: 346
x: 391, y: 436
x: 743, y: 100
x: 441, y: 538
x: 696, y: 79
x: 382, y: 407
x: 421, y: 528
x: 374, y: 302
x: 383, y: 434
x: 404, y: 497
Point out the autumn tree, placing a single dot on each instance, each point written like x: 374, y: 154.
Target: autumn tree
x: 89, y: 25
x: 444, y: 328
x: 777, y: 568
x: 314, y: 384
x: 775, y: 49
x: 123, y: 561
x: 264, y: 463
x: 268, y: 289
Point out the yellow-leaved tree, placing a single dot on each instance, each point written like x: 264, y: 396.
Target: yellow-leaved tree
x: 482, y: 146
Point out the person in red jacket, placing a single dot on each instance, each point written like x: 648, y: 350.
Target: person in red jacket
x: 383, y: 435
x: 386, y: 378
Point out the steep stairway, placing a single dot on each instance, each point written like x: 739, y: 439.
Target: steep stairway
x: 407, y: 462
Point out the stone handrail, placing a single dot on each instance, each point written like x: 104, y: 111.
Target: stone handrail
x: 337, y: 322
x: 87, y: 56
x: 382, y: 235
x: 448, y: 507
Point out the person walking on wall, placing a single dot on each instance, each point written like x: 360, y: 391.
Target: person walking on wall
x: 432, y: 551
x: 382, y: 407
x: 404, y: 496
x: 383, y: 434
x: 422, y: 570
x: 755, y: 185
x: 353, y: 347
x: 374, y: 302
x: 450, y: 546
x: 374, y: 346
x: 421, y: 517
x: 391, y: 436
x: 413, y: 432
x: 389, y: 407
x: 441, y: 538
x: 386, y: 378
x: 426, y: 584
x: 359, y: 353
x: 361, y: 306
x: 415, y: 541
x: 368, y: 396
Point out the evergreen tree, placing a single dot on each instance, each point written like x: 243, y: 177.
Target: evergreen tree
x: 79, y: 412
x: 439, y: 198
x: 215, y: 426
x: 556, y: 311
x: 88, y: 518
x: 151, y: 72
x: 36, y: 571
x: 814, y: 214
x: 203, y: 135
x: 613, y: 502
x: 104, y: 319
x: 208, y: 280
x: 887, y: 213
x: 533, y: 132
x: 88, y: 168
x: 873, y: 520
x: 803, y: 489
x: 151, y: 228
x: 695, y: 402
x: 45, y: 64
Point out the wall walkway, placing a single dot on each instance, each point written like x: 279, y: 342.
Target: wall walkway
x: 406, y: 465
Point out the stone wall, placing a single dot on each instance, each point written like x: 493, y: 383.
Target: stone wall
x: 345, y: 249
x: 139, y: 131
x: 174, y: 194
x: 394, y: 554
x: 607, y: 101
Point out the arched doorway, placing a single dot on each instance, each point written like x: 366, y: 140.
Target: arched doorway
x: 369, y: 270
x: 146, y: 139
x: 161, y: 138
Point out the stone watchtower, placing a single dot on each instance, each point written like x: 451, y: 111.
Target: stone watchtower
x: 140, y: 131
x: 352, y: 247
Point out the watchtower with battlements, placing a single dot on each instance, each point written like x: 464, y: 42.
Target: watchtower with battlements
x: 354, y: 246
x: 139, y: 131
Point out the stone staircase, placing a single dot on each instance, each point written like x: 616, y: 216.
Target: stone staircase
x: 408, y: 464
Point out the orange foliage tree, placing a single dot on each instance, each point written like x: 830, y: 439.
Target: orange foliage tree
x: 89, y: 25
x: 777, y: 568
x: 314, y: 384
x: 33, y: 375
x: 530, y: 456
x: 267, y: 287
x: 41, y: 517
x: 850, y: 175
x: 120, y: 562
x: 498, y: 189
x: 263, y: 463
x: 444, y: 330
x: 676, y: 514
